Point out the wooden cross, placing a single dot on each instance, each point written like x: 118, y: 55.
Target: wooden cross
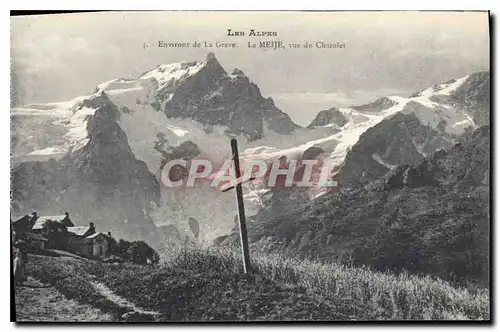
x: 241, y: 206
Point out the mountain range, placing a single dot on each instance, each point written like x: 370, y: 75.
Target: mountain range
x: 99, y: 156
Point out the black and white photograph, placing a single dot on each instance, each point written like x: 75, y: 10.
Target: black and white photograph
x: 250, y: 166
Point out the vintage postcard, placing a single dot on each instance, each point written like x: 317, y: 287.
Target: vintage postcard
x: 201, y: 166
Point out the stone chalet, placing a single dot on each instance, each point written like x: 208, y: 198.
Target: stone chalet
x: 23, y: 228
x: 88, y: 242
x: 83, y: 240
x: 62, y: 219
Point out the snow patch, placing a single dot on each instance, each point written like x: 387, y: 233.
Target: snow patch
x: 377, y: 158
x: 77, y: 128
x: 447, y: 88
x: 171, y: 74
x: 52, y: 131
x: 48, y: 151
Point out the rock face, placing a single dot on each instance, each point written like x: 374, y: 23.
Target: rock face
x: 470, y: 94
x: 432, y: 119
x: 209, y: 95
x: 375, y: 106
x: 474, y: 96
x: 331, y: 116
x: 102, y: 182
x: 401, y: 139
x: 429, y: 217
x: 464, y: 166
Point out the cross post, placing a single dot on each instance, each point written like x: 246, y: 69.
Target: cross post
x: 241, y: 208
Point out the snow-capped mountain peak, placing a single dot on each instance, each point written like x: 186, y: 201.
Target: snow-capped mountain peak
x: 443, y: 89
x: 441, y: 107
x: 170, y: 74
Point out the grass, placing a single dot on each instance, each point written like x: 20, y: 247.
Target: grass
x: 195, y: 284
x: 69, y: 276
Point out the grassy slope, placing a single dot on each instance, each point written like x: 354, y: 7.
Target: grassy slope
x: 196, y: 285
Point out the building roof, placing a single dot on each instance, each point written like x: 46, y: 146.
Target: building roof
x: 15, y: 219
x: 42, y: 219
x: 23, y: 224
x: 53, y: 218
x: 78, y: 230
x: 95, y: 235
x: 38, y: 225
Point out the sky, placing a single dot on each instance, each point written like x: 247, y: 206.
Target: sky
x: 59, y: 57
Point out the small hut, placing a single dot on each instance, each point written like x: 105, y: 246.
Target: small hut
x: 36, y: 242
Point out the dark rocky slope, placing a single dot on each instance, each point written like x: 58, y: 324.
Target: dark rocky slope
x: 327, y: 117
x: 401, y: 139
x: 213, y: 97
x: 430, y: 217
x: 102, y: 182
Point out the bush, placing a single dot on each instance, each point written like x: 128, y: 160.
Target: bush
x: 56, y: 234
x: 139, y: 252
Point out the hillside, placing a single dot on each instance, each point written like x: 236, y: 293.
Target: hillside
x: 430, y: 217
x: 198, y: 285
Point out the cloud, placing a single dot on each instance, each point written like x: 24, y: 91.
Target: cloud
x: 338, y: 99
x: 58, y: 57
